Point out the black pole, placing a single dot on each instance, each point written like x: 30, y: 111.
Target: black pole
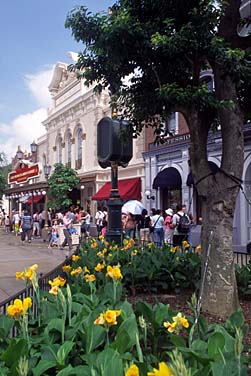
x: 114, y: 233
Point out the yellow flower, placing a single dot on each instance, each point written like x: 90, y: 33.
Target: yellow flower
x: 109, y: 254
x: 198, y: 249
x: 100, y: 320
x: 132, y: 371
x: 54, y: 290
x: 27, y: 303
x: 108, y: 318
x: 19, y: 308
x: 90, y: 278
x: 163, y: 370
x: 20, y: 275
x: 86, y: 270
x: 75, y: 258
x: 58, y: 281
x: 78, y: 270
x: 179, y: 321
x: 134, y: 252
x: 185, y: 244
x: 101, y: 237
x: 34, y: 267
x: 99, y: 267
x: 66, y: 268
x: 170, y: 326
x: 100, y: 254
x: 114, y: 272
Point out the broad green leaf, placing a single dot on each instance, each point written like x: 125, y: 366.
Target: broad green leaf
x: 109, y: 363
x: 64, y: 351
x: 55, y: 324
x: 16, y: 349
x: 94, y: 335
x: 216, y: 344
x: 126, y: 335
x: 43, y: 366
x: 6, y: 324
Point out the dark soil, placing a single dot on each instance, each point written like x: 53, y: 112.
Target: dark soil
x: 179, y: 302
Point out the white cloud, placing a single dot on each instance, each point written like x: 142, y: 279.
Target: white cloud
x: 25, y: 128
x: 22, y: 131
x: 38, y: 85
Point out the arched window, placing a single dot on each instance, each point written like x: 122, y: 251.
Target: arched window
x: 79, y: 149
x: 68, y: 142
x: 59, y: 148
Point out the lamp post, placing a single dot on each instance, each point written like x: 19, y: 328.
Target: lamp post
x: 19, y: 153
x: 34, y: 147
x: 149, y: 196
x: 47, y: 171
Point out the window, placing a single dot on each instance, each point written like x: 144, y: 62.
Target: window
x: 170, y: 127
x: 59, y: 148
x: 79, y: 149
x: 68, y: 141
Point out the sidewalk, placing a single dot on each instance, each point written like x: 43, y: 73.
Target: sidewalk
x: 15, y: 256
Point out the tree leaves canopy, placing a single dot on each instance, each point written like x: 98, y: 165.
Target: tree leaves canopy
x: 61, y: 181
x: 169, y: 43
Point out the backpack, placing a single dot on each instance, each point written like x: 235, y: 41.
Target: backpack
x: 184, y: 224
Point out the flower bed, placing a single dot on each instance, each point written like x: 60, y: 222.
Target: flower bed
x: 85, y: 326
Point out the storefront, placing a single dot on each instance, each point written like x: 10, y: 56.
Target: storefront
x: 169, y: 180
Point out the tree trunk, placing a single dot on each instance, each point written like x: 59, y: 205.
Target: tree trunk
x: 219, y: 193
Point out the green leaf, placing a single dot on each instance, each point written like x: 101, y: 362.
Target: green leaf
x: 126, y: 335
x: 94, y: 335
x: 55, y: 324
x: 16, y: 349
x: 216, y: 344
x: 64, y: 351
x: 6, y: 324
x: 43, y: 366
x: 109, y: 363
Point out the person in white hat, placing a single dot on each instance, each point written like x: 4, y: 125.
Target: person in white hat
x: 168, y: 230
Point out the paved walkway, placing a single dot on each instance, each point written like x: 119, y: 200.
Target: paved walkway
x: 15, y: 256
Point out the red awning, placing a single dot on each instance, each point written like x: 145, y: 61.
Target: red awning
x: 128, y: 189
x: 36, y: 199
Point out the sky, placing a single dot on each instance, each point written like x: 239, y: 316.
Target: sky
x: 32, y: 40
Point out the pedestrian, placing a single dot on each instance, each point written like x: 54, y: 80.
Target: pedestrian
x: 181, y: 225
x: 26, y: 226
x: 168, y: 230
x: 130, y: 226
x: 16, y: 221
x: 7, y: 224
x: 54, y: 237
x: 36, y: 226
x: 99, y: 219
x: 87, y: 222
x: 67, y: 236
x: 144, y: 224
x: 158, y: 228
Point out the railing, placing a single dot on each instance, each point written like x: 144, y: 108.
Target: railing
x: 43, y: 283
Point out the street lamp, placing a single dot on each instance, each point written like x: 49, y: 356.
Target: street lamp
x: 47, y: 171
x: 33, y: 147
x: 19, y: 154
x: 149, y: 196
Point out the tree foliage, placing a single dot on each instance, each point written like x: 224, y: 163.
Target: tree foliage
x: 5, y: 168
x: 61, y: 182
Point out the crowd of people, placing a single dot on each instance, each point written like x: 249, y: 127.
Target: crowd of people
x: 171, y: 227
x: 28, y: 226
x: 168, y: 227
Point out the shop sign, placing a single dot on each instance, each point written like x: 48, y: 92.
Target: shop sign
x: 23, y: 173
